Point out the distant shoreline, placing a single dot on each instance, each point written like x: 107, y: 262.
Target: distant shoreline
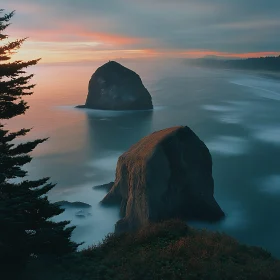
x: 268, y: 67
x: 275, y: 75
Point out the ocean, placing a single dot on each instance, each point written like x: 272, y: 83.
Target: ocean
x: 235, y: 113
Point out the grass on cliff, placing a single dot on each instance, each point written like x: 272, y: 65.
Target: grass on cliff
x: 170, y: 250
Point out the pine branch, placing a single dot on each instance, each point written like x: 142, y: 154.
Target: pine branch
x: 15, y: 82
x: 34, y: 184
x: 11, y: 136
x: 15, y: 68
x: 10, y: 167
x: 5, y: 18
x: 9, y: 109
x: 10, y: 48
x: 27, y: 147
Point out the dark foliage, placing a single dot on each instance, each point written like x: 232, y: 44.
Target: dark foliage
x: 25, y: 212
x: 169, y: 250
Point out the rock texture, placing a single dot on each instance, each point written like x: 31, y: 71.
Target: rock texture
x: 115, y: 87
x: 167, y: 174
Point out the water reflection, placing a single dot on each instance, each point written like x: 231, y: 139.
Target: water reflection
x: 116, y: 131
x: 106, y: 141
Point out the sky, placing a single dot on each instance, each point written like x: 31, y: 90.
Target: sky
x: 87, y: 30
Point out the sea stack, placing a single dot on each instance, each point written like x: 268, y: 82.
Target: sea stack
x: 115, y: 87
x: 167, y: 174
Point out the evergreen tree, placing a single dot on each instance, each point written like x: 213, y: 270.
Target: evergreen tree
x: 25, y: 226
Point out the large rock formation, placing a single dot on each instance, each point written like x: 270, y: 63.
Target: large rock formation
x: 167, y: 174
x: 115, y: 87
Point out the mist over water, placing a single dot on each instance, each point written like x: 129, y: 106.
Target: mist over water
x: 236, y: 114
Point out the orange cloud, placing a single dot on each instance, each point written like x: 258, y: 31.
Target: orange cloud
x: 106, y: 38
x: 112, y: 47
x: 70, y: 33
x: 73, y: 42
x: 65, y: 53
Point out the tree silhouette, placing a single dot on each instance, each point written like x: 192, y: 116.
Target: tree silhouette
x: 25, y: 211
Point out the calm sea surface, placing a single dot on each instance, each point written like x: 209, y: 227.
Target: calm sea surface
x: 237, y: 115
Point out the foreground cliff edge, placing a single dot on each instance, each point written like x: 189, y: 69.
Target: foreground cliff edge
x: 167, y: 174
x: 167, y: 250
x: 115, y: 87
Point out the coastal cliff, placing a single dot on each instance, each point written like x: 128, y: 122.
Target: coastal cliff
x: 167, y: 174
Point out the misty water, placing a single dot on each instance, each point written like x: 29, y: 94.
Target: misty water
x: 236, y: 114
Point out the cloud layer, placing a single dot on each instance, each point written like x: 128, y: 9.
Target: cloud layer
x: 177, y: 27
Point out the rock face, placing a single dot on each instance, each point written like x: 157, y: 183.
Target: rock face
x: 115, y: 87
x: 167, y: 174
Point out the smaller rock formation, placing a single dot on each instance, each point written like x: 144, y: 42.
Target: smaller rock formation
x: 115, y: 87
x: 165, y: 175
x: 76, y: 204
x: 82, y: 214
x: 106, y: 187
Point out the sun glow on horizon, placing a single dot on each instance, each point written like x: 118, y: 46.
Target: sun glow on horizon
x: 61, y: 52
x: 96, y: 30
x: 73, y: 42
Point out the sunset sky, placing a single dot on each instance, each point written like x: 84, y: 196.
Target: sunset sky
x: 87, y: 30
